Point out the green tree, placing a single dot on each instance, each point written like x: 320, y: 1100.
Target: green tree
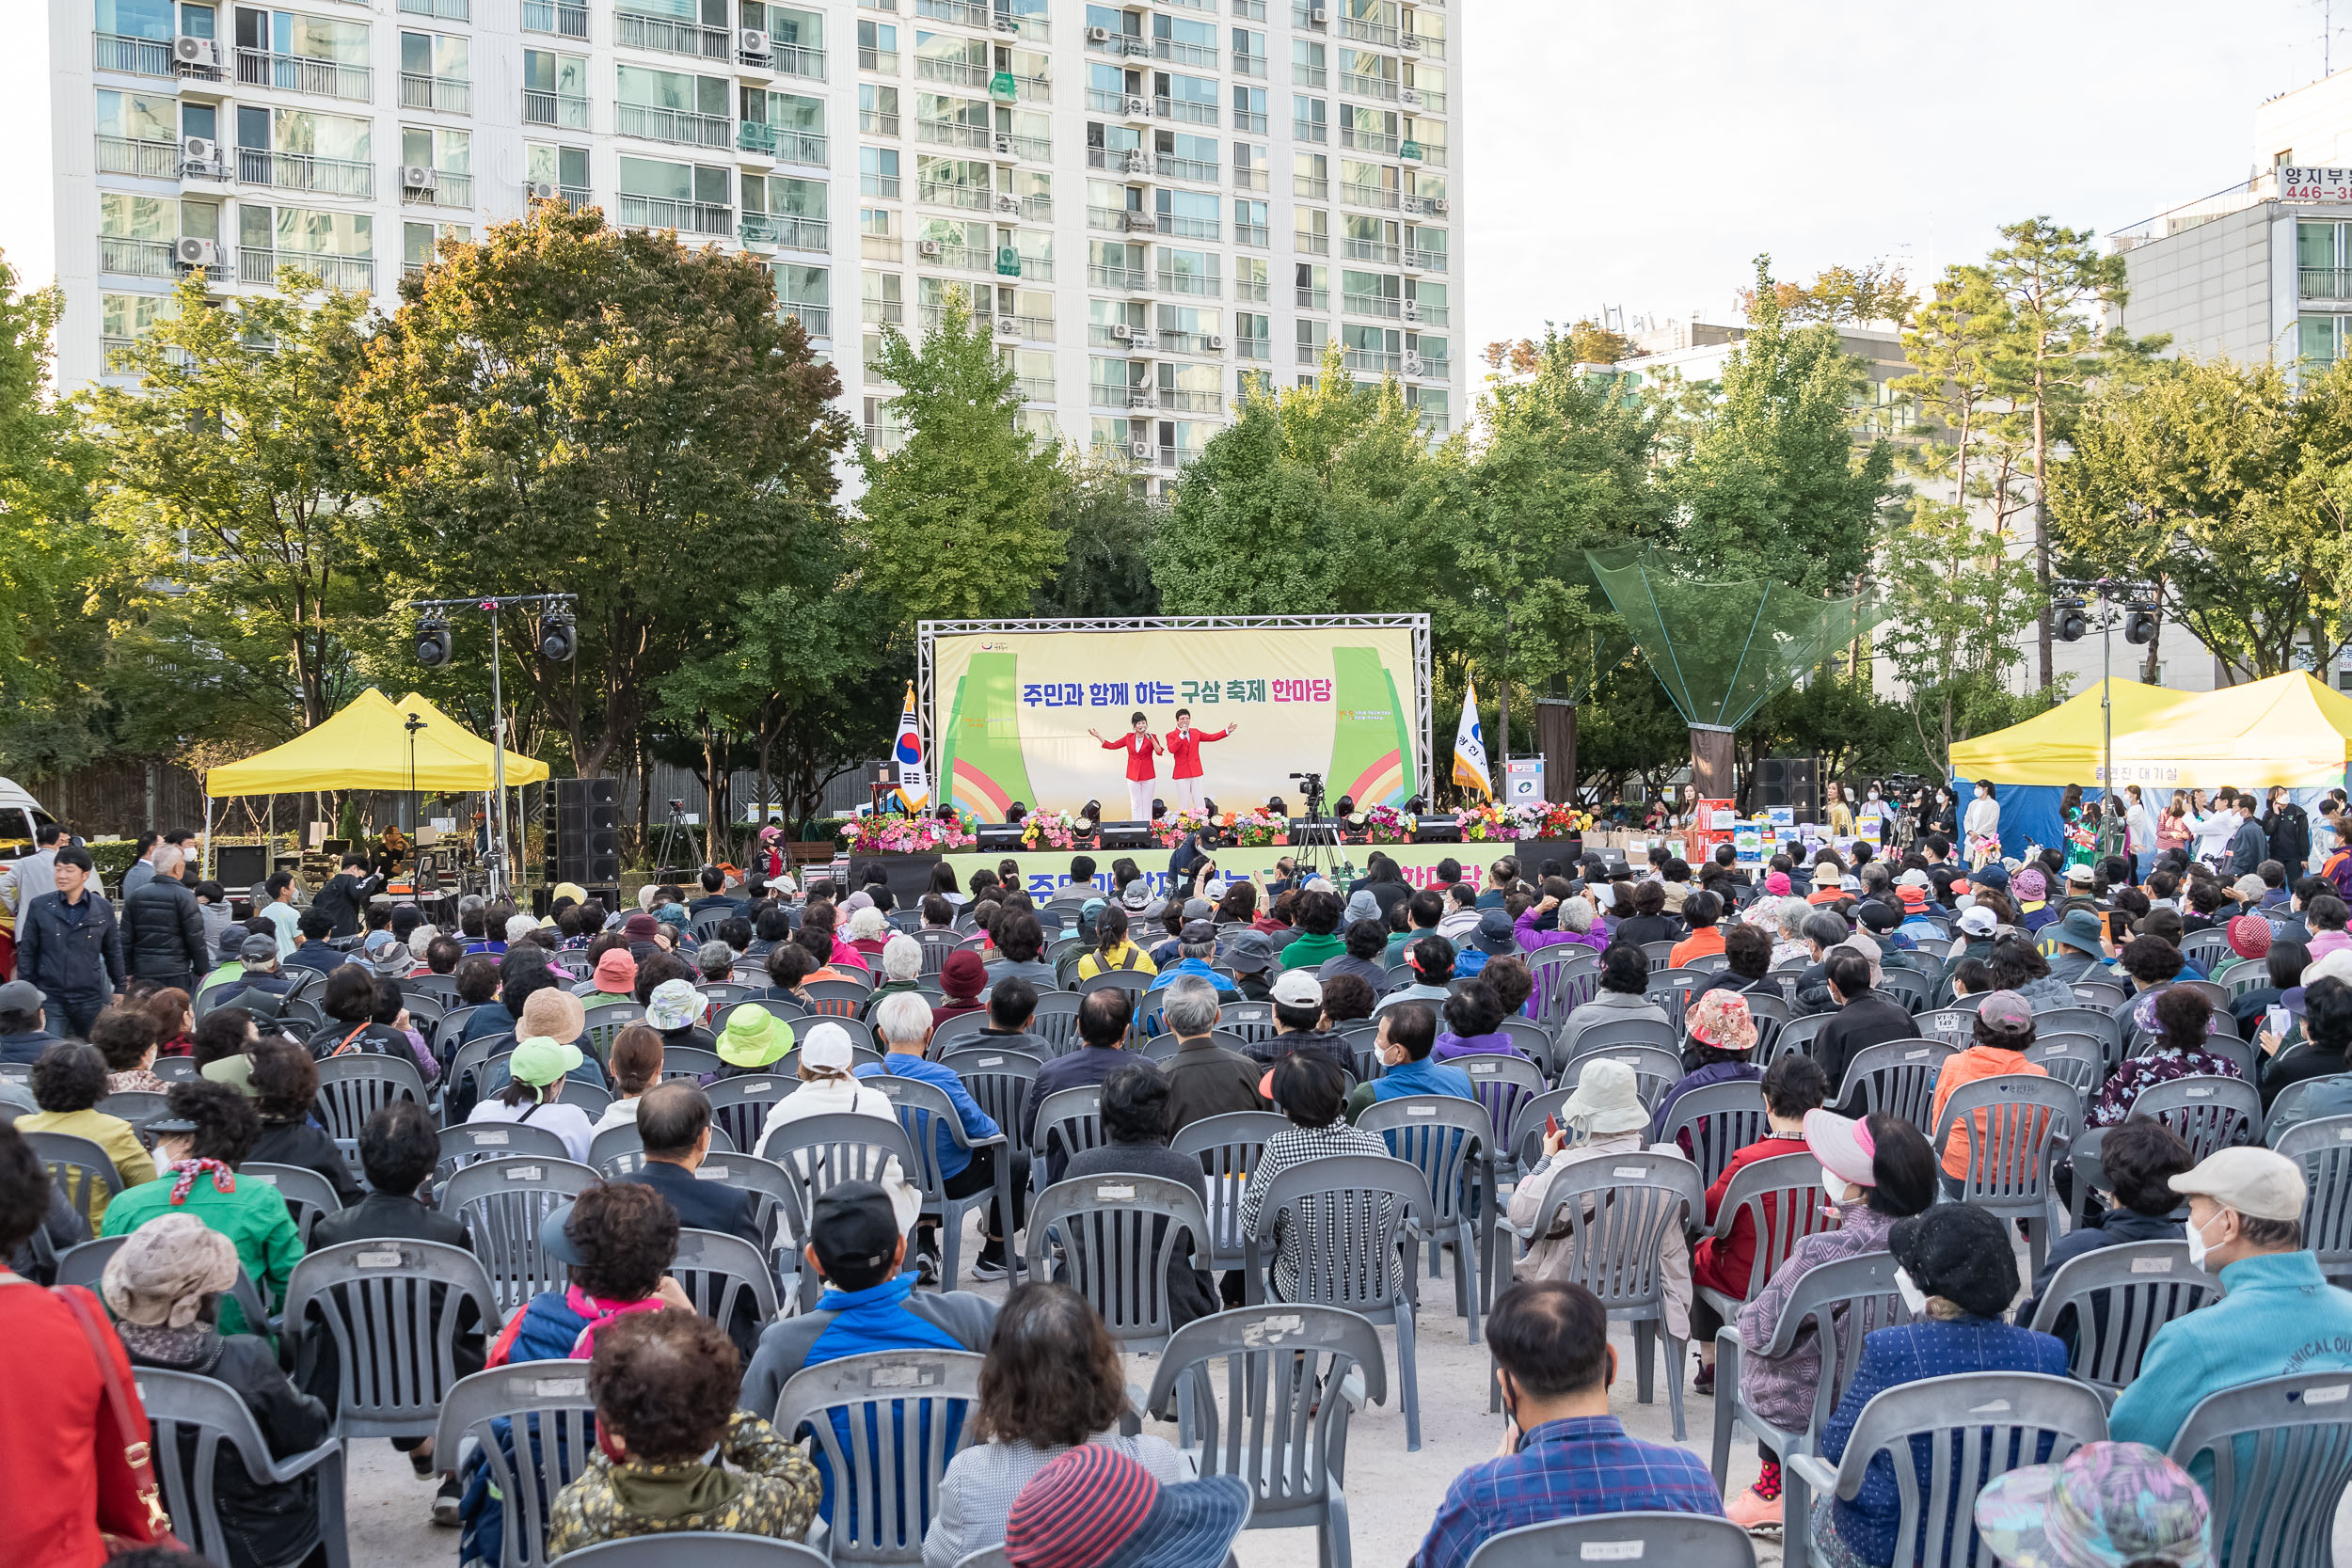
x: 1107, y: 524
x: 959, y: 521
x: 1842, y: 294
x: 567, y: 406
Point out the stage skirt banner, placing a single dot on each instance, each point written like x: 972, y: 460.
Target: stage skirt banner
x: 1011, y: 713
x: 1044, y: 873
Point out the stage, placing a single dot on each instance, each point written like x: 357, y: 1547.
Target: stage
x: 1045, y: 872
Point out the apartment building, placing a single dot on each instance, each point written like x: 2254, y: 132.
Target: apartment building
x: 1148, y: 204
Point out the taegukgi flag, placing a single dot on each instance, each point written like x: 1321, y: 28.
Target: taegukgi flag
x: 914, y: 783
x: 1470, y: 747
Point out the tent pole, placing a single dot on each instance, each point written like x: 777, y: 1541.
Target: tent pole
x: 208, y: 838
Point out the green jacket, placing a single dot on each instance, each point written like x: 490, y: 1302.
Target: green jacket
x: 1306, y: 952
x: 254, y: 1218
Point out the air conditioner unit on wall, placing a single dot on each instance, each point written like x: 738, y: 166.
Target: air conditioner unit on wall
x: 1098, y: 35
x: 1141, y: 451
x: 1138, y: 108
x: 189, y: 50
x: 200, y: 156
x: 540, y: 190
x: 196, y: 253
x: 1121, y: 332
x: 928, y: 250
x: 751, y: 40
x: 417, y: 177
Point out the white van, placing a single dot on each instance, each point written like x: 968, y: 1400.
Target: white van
x: 20, y: 816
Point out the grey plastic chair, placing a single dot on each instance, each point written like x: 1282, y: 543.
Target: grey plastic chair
x: 308, y: 1194
x: 175, y: 1069
x: 2096, y: 1022
x: 2228, y: 1047
x: 1606, y: 1221
x: 1279, y: 1424
x: 214, y: 1417
x: 2074, y: 1057
x: 393, y: 1310
x: 137, y: 1106
x: 817, y: 1153
x: 2013, y: 1122
x: 717, y: 1269
x: 1661, y: 955
x: 923, y: 1110
x: 1684, y: 1540
x: 740, y: 1106
x: 1253, y: 1021
x: 1798, y: 1208
x: 1839, y: 1304
x: 1720, y: 1120
x: 1349, y: 1217
x: 603, y: 1022
x: 353, y: 1088
x: 2281, y: 1456
x: 1448, y: 1140
x: 1501, y: 1085
x: 1529, y: 1036
x: 703, y: 1548
x: 1228, y: 1147
x: 552, y: 1437
x: 1565, y: 977
x: 2323, y: 1148
x: 785, y: 1008
x: 2120, y: 1296
x: 1897, y: 1077
x: 501, y: 1202
x: 2209, y: 1112
x: 2287, y: 1109
x: 1795, y: 1037
x: 85, y: 1264
x: 1772, y: 1013
x: 1671, y: 990
x: 999, y: 1081
x: 1067, y: 1120
x: 1119, y: 1235
x: 2006, y: 1415
x: 83, y: 1171
x: 1595, y: 1039
x: 886, y: 1422
x: 960, y: 1033
x: 685, y: 1061
x: 1656, y: 1070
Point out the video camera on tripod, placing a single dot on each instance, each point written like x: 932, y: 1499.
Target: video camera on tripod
x: 1311, y: 785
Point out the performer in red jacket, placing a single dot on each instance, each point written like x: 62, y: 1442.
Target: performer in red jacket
x: 1141, y: 745
x: 1183, y: 744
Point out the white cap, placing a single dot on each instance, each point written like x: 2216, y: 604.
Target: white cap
x: 828, y: 1048
x: 1299, y: 988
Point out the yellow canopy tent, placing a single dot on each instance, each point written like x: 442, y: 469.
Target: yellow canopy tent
x: 2286, y: 730
x: 366, y: 746
x: 2066, y: 745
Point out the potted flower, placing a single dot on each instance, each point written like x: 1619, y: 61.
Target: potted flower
x: 1387, y: 825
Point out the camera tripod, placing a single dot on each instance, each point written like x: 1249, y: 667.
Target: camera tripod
x: 1316, y: 844
x: 671, y: 832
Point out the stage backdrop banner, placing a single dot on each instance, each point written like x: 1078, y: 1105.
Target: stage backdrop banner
x: 1043, y: 873
x: 1010, y: 711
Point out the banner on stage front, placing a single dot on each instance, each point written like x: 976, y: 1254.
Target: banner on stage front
x: 1044, y: 717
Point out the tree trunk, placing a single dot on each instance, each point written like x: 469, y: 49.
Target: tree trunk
x: 1713, y: 753
x: 2042, y: 531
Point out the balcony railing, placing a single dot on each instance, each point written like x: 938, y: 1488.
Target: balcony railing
x: 1249, y: 65
x: 1110, y: 394
x: 1033, y: 89
x: 577, y: 198
x: 669, y: 36
x: 1369, y: 195
x: 443, y: 94
x: 882, y: 186
x: 1310, y: 354
x: 1032, y: 328
x: 1311, y: 244
x: 687, y: 217
x: 788, y: 230
x: 1177, y: 52
x: 1106, y: 102
x: 873, y: 122
x: 1366, y: 141
x: 797, y: 59
x: 1427, y: 47
x: 1366, y: 32
x: 1433, y: 153
x: 1245, y: 119
x: 132, y: 56
x: 1106, y: 335
x: 1305, y: 75
x: 1187, y: 342
x: 1373, y: 305
x: 135, y: 258
x: 1428, y: 100
x: 1248, y: 289
x: 967, y: 13
x: 885, y: 435
x: 301, y: 171
x: 2324, y: 282
x: 1034, y: 269
x: 679, y: 127
x: 1310, y: 187
x: 784, y: 144
x: 1369, y: 250
x: 1249, y: 10
x: 1184, y: 111
x: 882, y: 247
x: 1426, y: 260
x: 259, y: 68
x: 950, y: 257
x: 260, y: 264
x: 976, y: 199
x: 554, y: 16
x: 882, y: 62
x: 554, y: 108
x: 1172, y: 168
x: 816, y: 320
x: 1178, y: 457
x: 1254, y: 348
x: 954, y: 132
x: 1036, y: 150
x: 149, y: 160
x: 447, y: 190
x: 1190, y: 228
x: 1255, y: 235
x: 1133, y: 279
x: 1247, y: 178
x: 881, y: 312
x: 1434, y: 367
x: 963, y: 74
x: 1314, y: 299
x: 448, y: 10
x: 1310, y: 130
x: 1430, y: 315
x: 1115, y: 159
x: 1184, y: 400
x: 1037, y: 388
x: 1205, y: 285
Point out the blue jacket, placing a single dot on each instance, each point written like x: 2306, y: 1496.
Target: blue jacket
x: 1908, y: 1353
x: 977, y: 1124
x: 1426, y: 1076
x: 2279, y: 1316
x: 544, y: 1330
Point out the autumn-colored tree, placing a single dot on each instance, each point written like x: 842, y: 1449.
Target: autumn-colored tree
x: 1843, y: 296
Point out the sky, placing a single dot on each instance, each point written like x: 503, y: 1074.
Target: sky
x: 1639, y: 152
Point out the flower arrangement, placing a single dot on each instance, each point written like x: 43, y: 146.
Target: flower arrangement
x: 1049, y: 830
x: 1169, y: 829
x: 1551, y: 819
x: 1254, y: 829
x: 905, y: 836
x: 1385, y: 825
x: 1486, y: 821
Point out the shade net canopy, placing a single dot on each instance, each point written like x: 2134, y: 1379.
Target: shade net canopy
x: 365, y: 746
x: 1723, y: 649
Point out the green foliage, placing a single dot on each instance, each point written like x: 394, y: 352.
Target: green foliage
x: 1108, y: 524
x: 959, y: 523
x: 1877, y: 291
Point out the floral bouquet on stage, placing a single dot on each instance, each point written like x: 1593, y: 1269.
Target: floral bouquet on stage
x: 1171, y: 828
x: 1385, y: 825
x: 1254, y: 829
x: 1551, y: 820
x: 906, y: 835
x: 1049, y: 830
x: 1488, y: 821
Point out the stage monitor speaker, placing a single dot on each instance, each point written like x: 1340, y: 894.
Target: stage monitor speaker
x: 588, y: 832
x: 1127, y: 836
x: 1437, y: 830
x: 1791, y: 781
x: 997, y: 838
x: 238, y: 866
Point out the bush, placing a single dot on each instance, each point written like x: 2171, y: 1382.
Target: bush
x: 113, y: 860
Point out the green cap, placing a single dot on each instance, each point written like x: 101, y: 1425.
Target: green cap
x: 754, y: 1037
x: 542, y: 1059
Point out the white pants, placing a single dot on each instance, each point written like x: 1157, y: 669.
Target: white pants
x: 1140, y: 792
x: 1187, y: 795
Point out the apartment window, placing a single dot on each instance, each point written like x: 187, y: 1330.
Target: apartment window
x: 674, y: 106
x: 1309, y: 67
x: 555, y: 89
x: 878, y: 47
x: 1187, y: 214
x: 1248, y: 52
x: 1314, y: 286
x: 876, y: 110
x: 1249, y: 222
x: 880, y: 301
x: 2320, y: 339
x: 2323, y: 259
x: 1311, y: 176
x: 122, y: 319
x: 691, y: 197
x: 296, y: 149
x: 449, y: 154
x: 807, y: 292
x: 1313, y: 335
x: 1249, y: 110
x: 294, y: 38
x: 124, y: 216
x: 436, y: 72
x: 1310, y: 119
x: 138, y: 134
x: 878, y: 171
x: 420, y: 241
x: 1250, y: 278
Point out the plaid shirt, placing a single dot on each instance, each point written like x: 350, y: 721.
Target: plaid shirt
x: 1564, y: 1469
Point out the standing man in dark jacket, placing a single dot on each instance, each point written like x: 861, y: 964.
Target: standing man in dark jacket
x: 2251, y: 846
x: 346, y: 895
x: 2290, y: 832
x: 163, y: 926
x: 68, y: 943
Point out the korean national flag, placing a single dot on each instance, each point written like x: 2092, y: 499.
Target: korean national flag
x: 915, y: 785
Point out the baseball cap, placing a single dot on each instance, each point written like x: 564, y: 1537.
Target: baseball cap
x: 1299, y: 988
x: 1977, y: 920
x: 1494, y: 932
x: 2104, y: 1505
x: 22, y: 996
x: 1878, y: 916
x: 674, y: 1004
x: 1198, y: 909
x: 829, y: 1047
x: 387, y: 954
x: 853, y: 1226
x: 232, y: 941
x: 2260, y: 1183
x: 259, y: 949
x: 2004, y: 1012
x: 541, y: 1060
x: 1197, y: 931
x: 1995, y: 875
x: 1250, y: 952
x: 1913, y: 878
x: 1095, y: 1507
x: 2080, y: 874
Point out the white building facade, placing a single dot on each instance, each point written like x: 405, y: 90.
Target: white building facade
x: 1148, y: 204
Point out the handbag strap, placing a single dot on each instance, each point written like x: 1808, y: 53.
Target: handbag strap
x: 128, y: 1420
x: 361, y: 1029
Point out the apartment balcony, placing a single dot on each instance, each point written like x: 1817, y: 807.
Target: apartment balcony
x: 1172, y: 168
x: 688, y: 217
x: 1254, y: 348
x: 1369, y: 250
x: 441, y: 94
x: 1182, y: 401
x: 554, y: 108
x: 1428, y: 101
x: 1374, y: 361
x: 1311, y: 244
x: 259, y: 68
x: 1184, y: 111
x: 679, y: 127
x: 881, y: 312
x: 1032, y: 269
x: 1032, y: 90
x: 1309, y: 187
x: 553, y: 16
x: 1250, y: 289
x: 966, y: 13
x: 1384, y: 197
x: 1432, y: 153
x: 883, y: 186
x: 796, y: 59
x: 1037, y: 30
x: 885, y: 435
x: 1037, y: 388
x: 1424, y: 260
x: 1365, y: 32
x: 1245, y: 121
x: 1205, y: 5
x: 1305, y: 75
x: 351, y: 273
x: 1178, y: 457
x: 1314, y: 299
x: 1415, y: 313
x: 1189, y: 228
x: 1249, y: 65
x: 1422, y: 44
x: 955, y: 258
x: 447, y: 190
x: 2324, y: 282
x: 1310, y: 354
x: 951, y: 132
x: 786, y: 231
x: 871, y: 122
x: 577, y: 198
x: 1190, y: 342
x: 1106, y: 394
x: 301, y: 171
x: 135, y: 258
x: 1118, y: 160
x: 1249, y: 10
x: 1250, y: 179
x: 784, y: 144
x: 962, y: 73
x: 1132, y: 280
x: 882, y: 62
x: 1109, y: 102
x: 447, y: 10
x: 972, y: 199
x: 148, y: 160
x: 1202, y: 56
x: 1433, y: 367
x: 1203, y: 286
x: 669, y: 36
x: 882, y: 247
x: 816, y: 320
x: 1310, y: 130
x: 1256, y: 235
x: 119, y: 51
x: 1384, y: 305
x: 1035, y: 209
x: 1367, y: 141
x: 1107, y: 335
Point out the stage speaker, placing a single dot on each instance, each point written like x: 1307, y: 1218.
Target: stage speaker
x: 1127, y: 836
x: 1444, y: 829
x: 588, y: 832
x: 238, y: 866
x: 1791, y: 781
x: 999, y: 838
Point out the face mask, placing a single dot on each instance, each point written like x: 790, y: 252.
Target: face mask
x: 1913, y: 1298
x: 2197, y: 1248
x: 1874, y: 795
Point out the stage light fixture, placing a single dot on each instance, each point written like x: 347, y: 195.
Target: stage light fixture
x: 558, y: 638
x: 2071, y: 624
x: 436, y: 646
x: 2139, y: 626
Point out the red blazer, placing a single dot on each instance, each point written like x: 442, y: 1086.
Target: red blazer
x: 1723, y: 1265
x: 1139, y: 749
x: 1185, y: 748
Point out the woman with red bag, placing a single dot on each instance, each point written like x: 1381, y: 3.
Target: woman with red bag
x: 73, y: 1437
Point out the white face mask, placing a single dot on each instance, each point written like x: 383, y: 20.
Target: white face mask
x: 2197, y: 1248
x: 1913, y: 1298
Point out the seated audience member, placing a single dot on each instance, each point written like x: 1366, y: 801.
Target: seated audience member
x: 69, y: 1081
x: 200, y: 1141
x: 902, y: 961
x: 1365, y: 941
x: 1020, y: 940
x: 1347, y: 999
x: 1299, y: 1025
x: 1252, y: 957
x: 127, y: 1036
x: 349, y: 1003
x: 614, y: 979
x: 1473, y: 1024
x: 1747, y: 962
x: 1514, y: 984
x: 2276, y: 1313
x: 674, y: 1010
x: 904, y: 1025
x: 1102, y: 1019
x: 635, y: 1066
x: 1011, y: 1003
x: 674, y: 1121
x: 1135, y: 1130
x: 1099, y: 1507
x: 615, y: 1241
x: 1719, y: 1036
x: 1578, y: 926
x: 1876, y: 1170
x: 2017, y: 966
x: 1494, y: 938
x: 1604, y: 1117
x: 961, y: 978
x: 1417, y: 916
x: 1866, y: 1016
x: 537, y: 1069
x: 24, y: 1031
x: 830, y: 1088
x: 1312, y: 1091
x: 399, y: 1148
x: 1794, y: 1087
x: 284, y: 1083
x: 665, y: 1385
x: 2285, y: 962
x: 1205, y: 1078
x: 1406, y: 1038
x: 2324, y: 1051
x: 2079, y: 947
x: 1431, y: 961
x: 2139, y: 1158
x: 2183, y: 1019
x: 1053, y: 1381
x: 1318, y: 931
x: 1958, y: 1275
x: 1563, y: 1456
x: 2107, y: 1505
x: 2000, y: 1035
x: 753, y: 1042
x: 165, y: 1285
x: 1623, y: 993
x: 1701, y: 912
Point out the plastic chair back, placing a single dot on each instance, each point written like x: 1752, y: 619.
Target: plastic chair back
x: 1784, y: 1196
x: 1565, y: 977
x: 2011, y: 1121
x: 552, y: 1436
x: 1069, y: 1120
x: 2209, y: 1112
x: 1346, y: 1212
x: 1672, y: 989
x: 606, y: 1021
x: 739, y: 1106
x: 501, y: 1203
x: 1607, y: 1220
x: 308, y: 1194
x: 1845, y: 1300
x: 1228, y: 1147
x: 137, y: 1106
x: 717, y: 1270
x: 194, y: 1424
x: 175, y: 1069
x: 467, y: 1142
x: 2281, y: 1456
x: 885, y: 1423
x: 1720, y: 1120
x: 1501, y: 1085
x: 1597, y: 1039
x: 1795, y: 1037
x: 1661, y: 955
x: 1685, y: 1540
x: 1120, y: 1235
x: 817, y: 1153
x: 2095, y: 1022
x: 353, y: 1088
x: 784, y: 1007
x: 2286, y: 1110
x: 394, y: 1309
x: 704, y: 1548
x: 1252, y: 1021
x: 2076, y: 1058
x: 998, y: 1082
x: 1897, y: 1077
x: 959, y: 1033
x: 84, y: 1172
x: 2120, y: 1296
x: 2323, y: 1147
x: 1656, y: 1070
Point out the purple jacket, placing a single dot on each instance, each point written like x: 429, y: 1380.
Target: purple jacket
x: 1780, y: 1388
x: 1451, y: 1045
x: 1530, y: 938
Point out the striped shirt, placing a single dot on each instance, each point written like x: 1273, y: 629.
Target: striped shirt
x: 1295, y: 1145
